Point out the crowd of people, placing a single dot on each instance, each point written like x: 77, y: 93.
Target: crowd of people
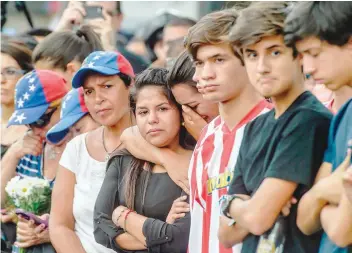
x: 207, y: 140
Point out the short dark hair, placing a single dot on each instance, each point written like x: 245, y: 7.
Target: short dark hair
x: 118, y: 7
x: 39, y: 32
x: 21, y: 54
x: 212, y: 29
x: 329, y: 21
x: 154, y: 77
x: 62, y: 47
x: 182, y: 71
x: 259, y: 20
x: 180, y: 21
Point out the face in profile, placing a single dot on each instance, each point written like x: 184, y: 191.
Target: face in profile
x: 271, y: 67
x: 327, y: 64
x: 157, y: 118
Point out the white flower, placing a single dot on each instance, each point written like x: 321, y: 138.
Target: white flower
x: 11, y: 187
x: 23, y: 188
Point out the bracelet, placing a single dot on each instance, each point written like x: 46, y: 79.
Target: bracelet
x: 124, y: 227
x: 118, y: 217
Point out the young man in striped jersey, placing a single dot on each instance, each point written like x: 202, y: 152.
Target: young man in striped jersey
x: 221, y: 78
x: 281, y: 150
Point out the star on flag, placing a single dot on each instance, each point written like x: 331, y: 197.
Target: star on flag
x: 32, y: 80
x: 28, y: 76
x: 31, y: 88
x: 97, y: 57
x: 20, y: 118
x: 90, y: 65
x: 13, y: 115
x: 20, y: 103
x: 26, y: 96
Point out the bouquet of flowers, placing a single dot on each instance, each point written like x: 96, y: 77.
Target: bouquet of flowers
x: 32, y: 195
x: 29, y: 194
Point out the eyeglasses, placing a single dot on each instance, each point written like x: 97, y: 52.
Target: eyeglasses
x: 43, y: 121
x: 11, y: 73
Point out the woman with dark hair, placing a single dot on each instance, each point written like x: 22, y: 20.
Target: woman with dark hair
x: 15, y: 62
x: 66, y: 60
x: 131, y: 211
x: 106, y: 78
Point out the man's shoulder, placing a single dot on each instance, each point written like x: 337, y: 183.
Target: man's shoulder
x: 344, y: 112
x: 310, y: 108
x: 211, y: 128
x: 259, y: 121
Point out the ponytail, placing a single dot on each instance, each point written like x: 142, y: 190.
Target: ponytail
x: 60, y: 48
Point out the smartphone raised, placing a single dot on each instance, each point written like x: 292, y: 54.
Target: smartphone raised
x: 29, y: 216
x: 93, y: 12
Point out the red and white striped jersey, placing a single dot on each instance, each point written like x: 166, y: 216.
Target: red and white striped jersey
x: 210, y: 173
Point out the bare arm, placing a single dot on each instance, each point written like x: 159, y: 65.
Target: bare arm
x: 230, y: 235
x: 310, y: 205
x: 259, y: 213
x: 106, y: 232
x: 176, y: 165
x: 8, y: 170
x: 62, y: 222
x: 28, y: 144
x: 134, y: 225
x: 157, y: 235
x: 129, y: 242
x: 327, y: 190
x: 339, y: 228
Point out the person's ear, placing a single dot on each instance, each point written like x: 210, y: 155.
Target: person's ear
x: 71, y: 68
x: 349, y: 44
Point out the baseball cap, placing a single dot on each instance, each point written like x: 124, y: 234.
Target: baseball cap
x: 104, y: 63
x: 33, y: 94
x: 73, y: 109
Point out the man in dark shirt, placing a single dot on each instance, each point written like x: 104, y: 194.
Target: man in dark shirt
x: 283, y: 149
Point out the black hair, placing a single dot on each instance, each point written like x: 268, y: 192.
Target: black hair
x: 328, y: 20
x: 182, y: 71
x: 149, y: 77
x: 118, y: 7
x: 60, y: 48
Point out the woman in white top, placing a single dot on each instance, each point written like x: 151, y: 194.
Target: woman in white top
x: 105, y: 77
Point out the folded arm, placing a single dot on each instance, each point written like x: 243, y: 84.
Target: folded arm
x: 259, y: 213
x: 339, y: 228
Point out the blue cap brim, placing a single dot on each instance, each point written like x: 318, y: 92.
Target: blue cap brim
x: 58, y: 132
x: 81, y: 74
x: 27, y: 115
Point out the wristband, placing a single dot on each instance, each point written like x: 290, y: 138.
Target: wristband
x: 118, y: 217
x: 124, y: 227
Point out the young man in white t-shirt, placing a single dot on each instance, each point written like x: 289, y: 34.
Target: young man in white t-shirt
x: 221, y: 78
